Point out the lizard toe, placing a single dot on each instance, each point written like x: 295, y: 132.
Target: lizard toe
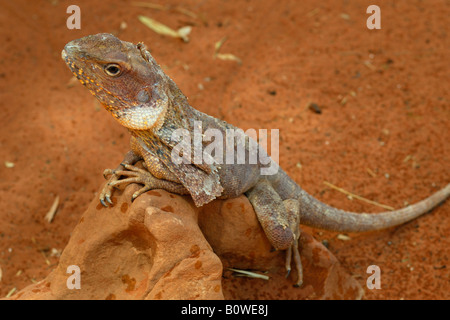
x: 141, y: 191
x: 106, y: 172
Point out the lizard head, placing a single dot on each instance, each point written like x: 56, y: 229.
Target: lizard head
x: 123, y: 76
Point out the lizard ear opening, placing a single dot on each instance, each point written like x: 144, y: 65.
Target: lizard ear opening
x: 143, y: 96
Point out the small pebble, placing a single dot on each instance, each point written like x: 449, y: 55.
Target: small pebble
x: 315, y: 108
x: 343, y: 237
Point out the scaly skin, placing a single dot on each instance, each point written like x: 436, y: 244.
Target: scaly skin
x: 129, y: 83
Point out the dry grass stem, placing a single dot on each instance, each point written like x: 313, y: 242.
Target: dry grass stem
x: 358, y: 197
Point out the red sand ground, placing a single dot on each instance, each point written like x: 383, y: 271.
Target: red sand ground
x: 383, y: 132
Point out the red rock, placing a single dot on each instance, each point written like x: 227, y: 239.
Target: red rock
x: 154, y: 248
x: 149, y: 249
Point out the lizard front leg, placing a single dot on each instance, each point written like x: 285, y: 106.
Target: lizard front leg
x: 150, y: 182
x: 105, y: 195
x: 155, y: 176
x: 280, y: 222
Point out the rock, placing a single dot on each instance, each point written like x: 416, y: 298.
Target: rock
x: 161, y: 247
x: 149, y: 249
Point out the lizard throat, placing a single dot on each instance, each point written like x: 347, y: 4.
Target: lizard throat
x: 141, y: 117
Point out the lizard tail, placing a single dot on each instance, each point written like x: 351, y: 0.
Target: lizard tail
x: 319, y: 215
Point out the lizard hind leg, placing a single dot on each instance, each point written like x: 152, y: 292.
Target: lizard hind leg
x: 279, y: 220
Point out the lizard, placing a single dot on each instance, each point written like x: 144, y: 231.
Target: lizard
x: 130, y: 84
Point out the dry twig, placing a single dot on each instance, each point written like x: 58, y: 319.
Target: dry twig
x: 358, y: 197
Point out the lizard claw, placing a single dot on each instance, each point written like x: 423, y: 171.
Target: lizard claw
x: 103, y: 203
x: 288, y: 273
x: 105, y: 198
x: 105, y: 195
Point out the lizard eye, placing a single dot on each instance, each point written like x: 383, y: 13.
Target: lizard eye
x: 112, y: 69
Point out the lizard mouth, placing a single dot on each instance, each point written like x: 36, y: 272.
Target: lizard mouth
x: 68, y: 49
x: 65, y: 55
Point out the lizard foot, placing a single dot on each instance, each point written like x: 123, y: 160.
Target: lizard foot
x: 293, y: 217
x: 137, y: 175
x: 293, y: 250
x: 105, y: 194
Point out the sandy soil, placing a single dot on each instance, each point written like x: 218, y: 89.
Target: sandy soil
x: 383, y: 132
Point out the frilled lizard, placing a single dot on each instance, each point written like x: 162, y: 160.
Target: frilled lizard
x: 129, y: 83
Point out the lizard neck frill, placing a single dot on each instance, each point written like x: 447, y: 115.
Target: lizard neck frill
x: 200, y: 179
x: 159, y: 138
